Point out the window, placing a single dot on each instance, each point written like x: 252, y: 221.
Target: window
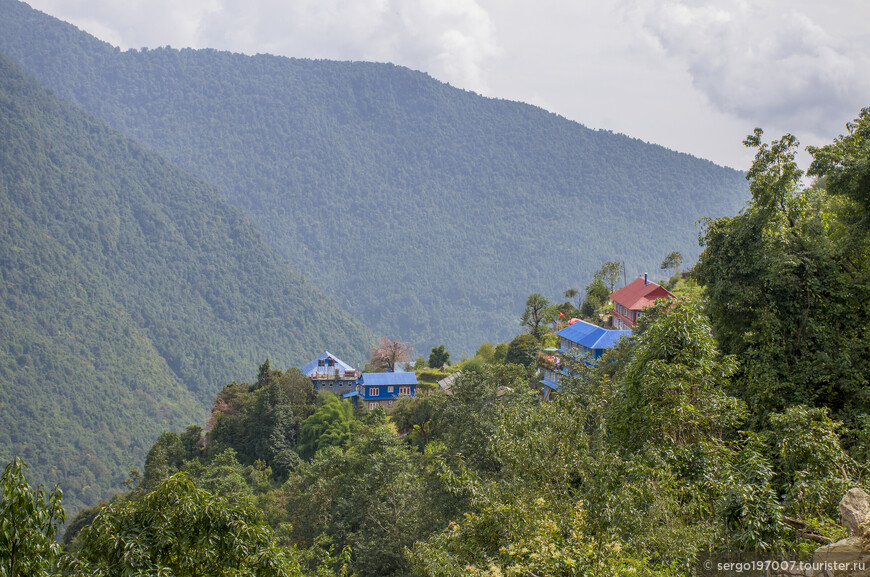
x: 389, y: 389
x: 404, y: 390
x: 373, y: 406
x: 374, y: 391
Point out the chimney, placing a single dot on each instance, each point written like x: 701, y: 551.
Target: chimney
x: 645, y: 281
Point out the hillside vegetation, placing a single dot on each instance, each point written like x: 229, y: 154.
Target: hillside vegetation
x: 731, y: 424
x: 130, y: 292
x: 427, y: 211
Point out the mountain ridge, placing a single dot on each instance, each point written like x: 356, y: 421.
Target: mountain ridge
x: 130, y: 293
x: 427, y: 211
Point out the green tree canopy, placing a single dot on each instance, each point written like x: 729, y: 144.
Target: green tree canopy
x: 439, y: 357
x: 29, y: 520
x: 184, y: 530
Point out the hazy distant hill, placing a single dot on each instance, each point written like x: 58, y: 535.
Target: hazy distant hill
x: 427, y: 211
x: 130, y: 293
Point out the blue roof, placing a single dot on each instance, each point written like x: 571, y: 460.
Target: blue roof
x: 378, y: 379
x: 310, y: 367
x: 550, y: 383
x: 351, y: 394
x: 591, y: 336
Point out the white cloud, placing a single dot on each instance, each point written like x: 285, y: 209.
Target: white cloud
x: 763, y: 61
x: 451, y: 39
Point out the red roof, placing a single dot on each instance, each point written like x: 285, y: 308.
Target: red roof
x: 639, y: 294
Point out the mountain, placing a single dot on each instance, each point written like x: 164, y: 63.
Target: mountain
x: 427, y: 211
x: 130, y: 294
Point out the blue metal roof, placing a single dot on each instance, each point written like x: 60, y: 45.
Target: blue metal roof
x: 591, y: 336
x: 378, y: 379
x: 310, y: 367
x: 351, y: 394
x: 550, y: 383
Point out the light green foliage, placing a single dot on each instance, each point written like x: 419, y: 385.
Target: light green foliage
x: 370, y: 497
x: 486, y: 351
x: 331, y: 425
x: 225, y: 477
x: 597, y: 295
x: 813, y: 469
x: 29, y: 520
x: 671, y: 393
x: 845, y: 166
x: 611, y: 273
x: 182, y: 531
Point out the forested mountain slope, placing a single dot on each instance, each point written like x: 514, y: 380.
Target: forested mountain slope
x: 130, y: 292
x: 427, y: 211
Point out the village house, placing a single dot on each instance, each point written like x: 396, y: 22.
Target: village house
x: 630, y: 300
x: 579, y: 339
x: 331, y: 374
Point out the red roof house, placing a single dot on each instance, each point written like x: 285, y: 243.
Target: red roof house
x: 630, y: 300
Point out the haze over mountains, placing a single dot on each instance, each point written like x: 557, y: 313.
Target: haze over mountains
x: 428, y: 212
x: 183, y: 214
x: 130, y: 293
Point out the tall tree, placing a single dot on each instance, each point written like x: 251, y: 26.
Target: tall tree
x: 439, y: 357
x: 610, y: 273
x: 672, y: 261
x: 533, y: 316
x: 788, y: 281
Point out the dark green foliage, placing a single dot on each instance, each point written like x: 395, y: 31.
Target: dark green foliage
x: 788, y: 291
x: 378, y: 497
x: 523, y: 350
x: 182, y: 529
x: 262, y: 421
x: 128, y: 291
x: 357, y: 172
x: 439, y: 357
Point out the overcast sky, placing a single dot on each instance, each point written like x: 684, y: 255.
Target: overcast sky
x: 692, y: 75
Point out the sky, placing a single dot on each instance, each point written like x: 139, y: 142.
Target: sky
x: 691, y: 75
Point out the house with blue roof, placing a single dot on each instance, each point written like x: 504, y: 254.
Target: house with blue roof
x: 331, y: 374
x: 578, y: 338
x: 384, y: 389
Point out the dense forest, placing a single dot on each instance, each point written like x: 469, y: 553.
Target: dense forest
x: 130, y: 292
x: 729, y: 421
x: 426, y: 211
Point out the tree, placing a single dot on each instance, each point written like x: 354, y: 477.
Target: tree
x: 439, y: 357
x: 523, y: 350
x: 787, y: 284
x: 29, y: 521
x: 571, y: 293
x: 672, y: 391
x: 597, y: 294
x: 331, y: 425
x: 672, y: 261
x: 388, y: 353
x: 845, y: 166
x: 181, y: 530
x: 533, y: 317
x: 610, y: 273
